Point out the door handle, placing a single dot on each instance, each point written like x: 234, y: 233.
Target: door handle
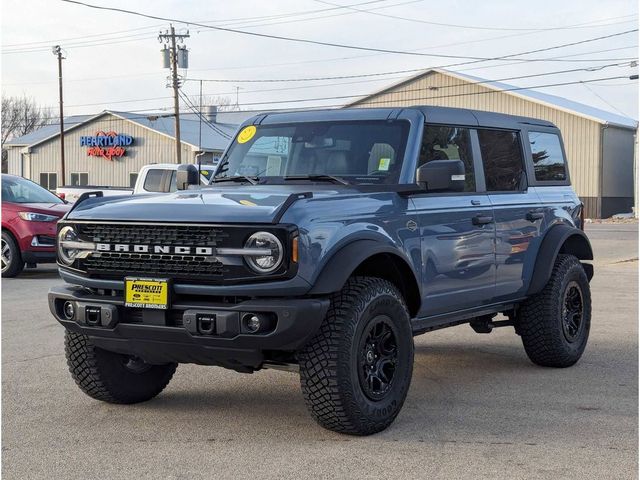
x: 482, y: 219
x: 534, y: 215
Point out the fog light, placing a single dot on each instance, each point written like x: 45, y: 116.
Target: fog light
x: 69, y: 310
x: 253, y: 323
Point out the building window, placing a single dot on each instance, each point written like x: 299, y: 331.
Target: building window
x: 449, y: 143
x: 133, y: 178
x: 548, y: 160
x: 502, y: 160
x: 79, y: 179
x: 49, y: 180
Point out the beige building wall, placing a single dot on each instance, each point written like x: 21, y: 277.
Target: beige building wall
x: 582, y: 136
x: 148, y: 147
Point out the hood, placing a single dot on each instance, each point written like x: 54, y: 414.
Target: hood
x: 229, y: 204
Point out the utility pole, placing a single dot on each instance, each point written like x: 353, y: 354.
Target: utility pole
x: 58, y: 52
x: 170, y: 37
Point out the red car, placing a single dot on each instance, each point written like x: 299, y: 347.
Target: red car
x: 29, y: 217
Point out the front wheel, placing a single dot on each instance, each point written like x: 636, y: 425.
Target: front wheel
x: 355, y: 373
x: 112, y: 377
x: 12, y: 263
x: 554, y: 324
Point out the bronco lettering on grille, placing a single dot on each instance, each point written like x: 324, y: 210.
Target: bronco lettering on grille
x: 166, y: 249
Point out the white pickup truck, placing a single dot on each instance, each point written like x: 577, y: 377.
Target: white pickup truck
x: 155, y: 178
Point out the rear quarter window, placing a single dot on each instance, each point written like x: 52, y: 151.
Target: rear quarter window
x: 154, y: 180
x: 548, y: 160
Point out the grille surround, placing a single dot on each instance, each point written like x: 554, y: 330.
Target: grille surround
x: 215, y: 269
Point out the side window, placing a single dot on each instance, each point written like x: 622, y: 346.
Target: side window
x: 548, y: 160
x: 133, y: 178
x: 502, y: 160
x: 449, y: 143
x: 153, y: 181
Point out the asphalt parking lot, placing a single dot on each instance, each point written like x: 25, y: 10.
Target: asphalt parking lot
x: 477, y: 408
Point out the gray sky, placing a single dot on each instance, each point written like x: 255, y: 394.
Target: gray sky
x: 113, y: 58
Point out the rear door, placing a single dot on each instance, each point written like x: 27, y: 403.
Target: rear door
x: 516, y: 208
x: 457, y: 230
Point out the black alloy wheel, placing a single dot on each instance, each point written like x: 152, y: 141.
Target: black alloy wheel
x: 572, y: 312
x: 378, y: 358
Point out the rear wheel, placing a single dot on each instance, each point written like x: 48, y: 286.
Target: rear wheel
x: 355, y: 373
x: 554, y: 324
x: 10, y: 257
x: 112, y: 377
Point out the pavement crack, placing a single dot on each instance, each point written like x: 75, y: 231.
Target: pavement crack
x: 30, y: 359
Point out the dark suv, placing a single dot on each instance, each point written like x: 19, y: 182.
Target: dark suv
x: 325, y: 242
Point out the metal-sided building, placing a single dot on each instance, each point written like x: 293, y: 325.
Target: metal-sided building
x: 599, y: 144
x: 110, y: 148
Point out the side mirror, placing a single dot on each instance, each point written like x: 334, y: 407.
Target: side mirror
x: 441, y: 175
x: 187, y: 175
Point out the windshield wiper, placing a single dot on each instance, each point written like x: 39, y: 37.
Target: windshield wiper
x: 321, y: 177
x: 236, y: 178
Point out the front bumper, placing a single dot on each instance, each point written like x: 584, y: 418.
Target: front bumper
x: 176, y: 335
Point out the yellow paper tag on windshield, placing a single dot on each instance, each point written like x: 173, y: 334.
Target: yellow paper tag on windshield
x: 246, y: 134
x: 384, y: 164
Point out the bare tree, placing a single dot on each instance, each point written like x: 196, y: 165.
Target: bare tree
x: 21, y: 115
x: 224, y: 104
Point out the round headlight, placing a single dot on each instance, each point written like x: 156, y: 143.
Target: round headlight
x: 67, y: 255
x: 268, y: 262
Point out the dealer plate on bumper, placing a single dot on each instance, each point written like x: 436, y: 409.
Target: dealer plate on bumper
x: 146, y: 293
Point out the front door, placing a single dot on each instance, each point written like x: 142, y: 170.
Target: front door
x: 457, y: 230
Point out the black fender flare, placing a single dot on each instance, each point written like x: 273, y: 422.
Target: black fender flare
x: 559, y: 237
x: 344, y: 262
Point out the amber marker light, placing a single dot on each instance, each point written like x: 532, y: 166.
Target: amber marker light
x: 294, y: 250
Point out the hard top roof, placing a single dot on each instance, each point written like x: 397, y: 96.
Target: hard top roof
x: 452, y: 116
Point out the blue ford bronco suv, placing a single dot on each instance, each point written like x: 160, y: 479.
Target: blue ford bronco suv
x: 325, y: 242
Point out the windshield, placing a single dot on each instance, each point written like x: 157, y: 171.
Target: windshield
x: 365, y: 152
x: 20, y: 190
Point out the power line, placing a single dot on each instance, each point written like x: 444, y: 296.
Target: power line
x: 202, y: 117
x: 605, y: 101
x: 253, y: 80
x: 342, y: 97
x: 450, y: 25
x: 156, y: 116
x: 155, y: 27
x: 137, y: 37
x: 557, y: 72
x: 306, y: 41
x: 342, y: 77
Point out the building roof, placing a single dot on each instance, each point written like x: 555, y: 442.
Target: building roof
x: 215, y: 135
x: 48, y: 131
x: 554, y: 101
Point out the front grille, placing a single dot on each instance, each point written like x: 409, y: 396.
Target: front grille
x: 192, y: 235
x: 185, y: 268
x: 108, y: 262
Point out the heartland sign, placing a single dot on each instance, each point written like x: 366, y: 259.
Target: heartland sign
x: 106, y: 145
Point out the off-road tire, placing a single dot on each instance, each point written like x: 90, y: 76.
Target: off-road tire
x: 15, y: 264
x: 540, y: 318
x: 103, y: 375
x: 329, y: 367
